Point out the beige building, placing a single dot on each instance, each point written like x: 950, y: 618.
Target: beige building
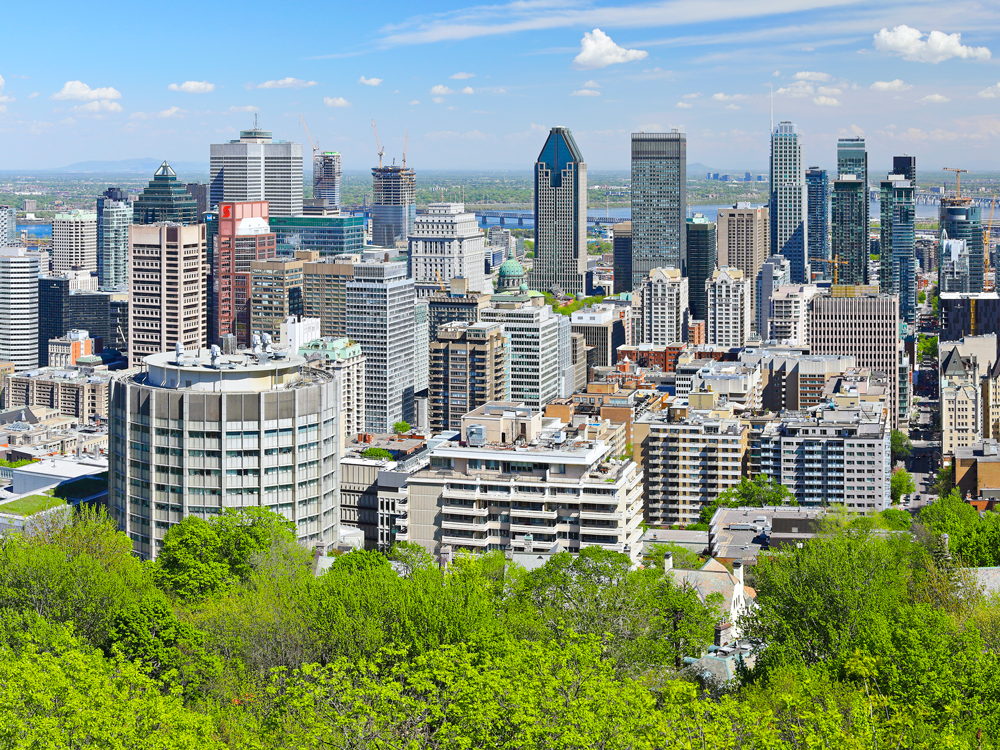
x: 169, y: 286
x: 77, y: 392
x: 468, y: 368
x: 275, y: 294
x: 324, y: 290
x: 345, y: 357
x: 743, y: 240
x: 663, y: 305
x: 603, y: 328
x: 961, y: 401
x: 789, y: 316
x: 728, y: 306
x: 74, y: 241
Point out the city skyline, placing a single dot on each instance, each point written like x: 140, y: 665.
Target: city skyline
x: 904, y: 76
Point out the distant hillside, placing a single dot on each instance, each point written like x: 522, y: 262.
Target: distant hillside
x: 129, y: 166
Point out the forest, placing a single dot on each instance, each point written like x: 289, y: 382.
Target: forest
x: 872, y: 635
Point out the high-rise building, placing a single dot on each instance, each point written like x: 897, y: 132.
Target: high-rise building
x: 960, y: 220
x: 199, y: 191
x: 421, y: 345
x: 468, y: 368
x: 663, y: 307
x: 275, y: 294
x: 852, y: 158
x: 257, y: 168
x: 394, y: 204
x: 344, y: 357
x: 8, y: 226
x: 659, y: 203
x: 743, y: 240
x: 790, y: 308
x: 532, y: 330
x: 329, y: 235
x: 169, y: 289
x: 560, y: 217
x: 775, y: 272
x: 818, y: 211
x: 621, y: 248
x: 953, y: 270
x: 326, y: 176
x: 458, y: 304
x: 907, y: 167
x: 380, y: 318
x: 702, y: 257
x: 324, y: 290
x: 603, y: 328
x: 898, y: 245
x: 850, y: 234
x: 727, y: 302
x: 242, y: 236
x: 71, y: 300
x: 114, y: 219
x: 229, y: 407
x: 789, y: 199
x: 19, y: 307
x: 165, y: 199
x: 447, y: 243
x: 74, y: 241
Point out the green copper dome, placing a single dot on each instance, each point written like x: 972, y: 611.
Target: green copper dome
x: 511, y: 268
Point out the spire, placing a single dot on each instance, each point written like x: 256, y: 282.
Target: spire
x: 165, y: 170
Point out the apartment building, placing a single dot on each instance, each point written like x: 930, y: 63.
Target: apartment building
x: 663, y: 306
x: 79, y: 392
x: 789, y: 315
x: 728, y: 306
x: 275, y: 294
x: 468, y: 368
x: 344, y: 357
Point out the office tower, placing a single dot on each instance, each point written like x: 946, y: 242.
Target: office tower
x: 74, y: 241
x: 275, y: 294
x: 702, y: 254
x: 324, y: 290
x: 19, y: 307
x: 342, y: 356
x: 907, y: 167
x: 621, y: 247
x: 114, y: 219
x: 165, y: 199
x: 421, y: 344
x: 532, y: 330
x: 167, y: 307
x: 329, y: 235
x: 852, y: 158
x: 789, y: 199
x: 818, y: 211
x: 663, y: 307
x: 447, y: 243
x: 380, y: 318
x: 953, y: 270
x: 863, y: 324
x: 743, y: 240
x: 468, y: 368
x: 603, y: 329
x: 560, y: 216
x: 8, y: 226
x: 242, y: 235
x: 898, y: 244
x: 659, y: 203
x: 458, y: 304
x: 566, y: 368
x: 960, y: 220
x: 850, y: 235
x: 727, y: 301
x: 256, y: 168
x: 500, y: 238
x: 71, y: 300
x: 790, y: 307
x: 326, y: 176
x: 775, y: 272
x: 394, y: 204
x: 206, y: 401
x: 199, y: 191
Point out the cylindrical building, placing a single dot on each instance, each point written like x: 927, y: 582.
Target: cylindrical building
x: 195, y: 433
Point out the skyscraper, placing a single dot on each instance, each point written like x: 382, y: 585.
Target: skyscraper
x: 743, y: 241
x: 852, y: 158
x: 664, y: 307
x: 243, y: 236
x: 907, y: 167
x: 789, y: 199
x: 74, y: 241
x: 560, y: 216
x: 775, y: 272
x: 818, y: 189
x: 165, y: 199
x: 326, y: 176
x: 19, y: 307
x: 394, y: 206
x: 257, y: 168
x: 702, y: 255
x: 850, y: 239
x: 8, y: 226
x: 114, y: 219
x: 621, y: 246
x: 447, y: 243
x: 468, y: 368
x: 727, y: 300
x: 960, y: 220
x: 659, y: 203
x: 898, y: 244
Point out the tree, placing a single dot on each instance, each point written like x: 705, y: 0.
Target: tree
x: 901, y: 446
x: 683, y: 558
x: 377, y: 454
x: 901, y: 484
x: 246, y: 533
x: 191, y: 563
x: 401, y: 427
x: 751, y: 493
x: 896, y: 520
x: 944, y: 482
x: 921, y: 297
x: 927, y: 347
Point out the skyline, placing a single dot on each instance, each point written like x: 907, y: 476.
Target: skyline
x: 483, y: 84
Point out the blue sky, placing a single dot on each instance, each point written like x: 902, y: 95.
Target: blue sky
x: 477, y: 86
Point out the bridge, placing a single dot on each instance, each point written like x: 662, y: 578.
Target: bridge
x: 521, y: 216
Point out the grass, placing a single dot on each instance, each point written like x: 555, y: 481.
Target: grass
x: 30, y: 504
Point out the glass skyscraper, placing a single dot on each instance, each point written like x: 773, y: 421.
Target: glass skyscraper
x: 818, y: 188
x: 907, y: 167
x: 701, y: 261
x: 960, y: 220
x: 659, y: 203
x: 114, y: 219
x: 850, y: 239
x: 852, y: 158
x: 789, y: 230
x: 898, y: 244
x: 394, y: 204
x: 165, y: 199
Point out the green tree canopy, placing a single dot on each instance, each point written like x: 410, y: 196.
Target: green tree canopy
x: 401, y: 427
x: 758, y: 492
x: 900, y: 445
x: 377, y: 454
x: 901, y: 484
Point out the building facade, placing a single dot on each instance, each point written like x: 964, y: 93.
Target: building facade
x: 468, y: 368
x: 326, y: 176
x: 114, y: 220
x: 447, y: 243
x: 898, y: 245
x: 165, y: 199
x: 275, y: 294
x: 19, y: 316
x: 728, y: 306
x: 789, y: 200
x: 774, y: 273
x: 790, y: 309
x: 852, y: 158
x: 394, y: 205
x: 742, y: 235
x: 257, y: 168
x: 621, y: 250
x: 329, y: 235
x: 702, y: 260
x: 344, y: 357
x: 603, y: 329
x: 663, y: 307
x: 659, y: 203
x: 74, y: 241
x: 818, y: 212
x: 243, y: 236
x: 532, y: 331
x: 850, y: 244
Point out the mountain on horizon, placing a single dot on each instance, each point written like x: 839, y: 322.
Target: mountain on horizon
x: 129, y: 166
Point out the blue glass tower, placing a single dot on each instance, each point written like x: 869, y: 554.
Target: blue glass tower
x: 818, y: 211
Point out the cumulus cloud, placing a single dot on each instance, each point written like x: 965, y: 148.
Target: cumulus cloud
x: 937, y: 47
x: 591, y: 85
x: 992, y: 92
x: 244, y: 108
x: 935, y: 99
x: 101, y: 105
x: 691, y: 96
x: 893, y: 85
x: 597, y: 50
x: 826, y: 101
x: 437, y: 99
x: 732, y: 106
x: 192, y: 87
x: 586, y: 92
x: 798, y: 89
x: 462, y: 76
x: 370, y: 81
x: 468, y: 90
x: 720, y: 97
x: 807, y: 75
x: 828, y: 90
x: 336, y: 101
x: 78, y: 91
x: 33, y: 95
x: 172, y: 112
x: 683, y: 105
x: 440, y: 90
x: 286, y: 83
x: 415, y: 102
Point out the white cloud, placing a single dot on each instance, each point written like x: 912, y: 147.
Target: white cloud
x: 894, y: 85
x: 720, y: 97
x: 826, y: 101
x: 440, y: 90
x: 462, y: 76
x: 336, y: 101
x: 586, y: 92
x: 33, y: 95
x: 937, y: 47
x: 990, y: 93
x: 2, y: 83
x: 798, y: 89
x: 244, y: 108
x: 172, y: 112
x: 286, y: 83
x: 935, y: 99
x: 78, y: 91
x: 808, y: 49
x: 807, y: 75
x: 5, y: 98
x: 370, y: 81
x: 192, y: 87
x: 591, y: 85
x: 691, y: 96
x: 828, y: 91
x: 3, y: 109
x: 102, y: 105
x: 776, y: 74
x: 597, y: 50
x: 683, y: 105
x: 732, y: 106
x: 468, y: 90
x: 415, y: 102
x: 437, y: 99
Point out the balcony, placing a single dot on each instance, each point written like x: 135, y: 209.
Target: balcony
x: 462, y: 525
x: 524, y: 528
x: 463, y: 510
x: 464, y: 541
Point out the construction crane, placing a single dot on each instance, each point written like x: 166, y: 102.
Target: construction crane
x: 406, y: 141
x: 836, y: 262
x: 315, y: 146
x: 958, y: 178
x: 381, y: 149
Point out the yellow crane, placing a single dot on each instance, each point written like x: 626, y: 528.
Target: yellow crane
x: 958, y: 178
x: 381, y: 149
x: 835, y: 262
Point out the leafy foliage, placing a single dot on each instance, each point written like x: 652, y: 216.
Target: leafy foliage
x: 377, y: 454
x: 901, y: 483
x: 900, y: 445
x: 758, y: 492
x: 401, y: 427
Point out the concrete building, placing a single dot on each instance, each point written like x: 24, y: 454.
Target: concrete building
x: 966, y: 388
x: 469, y: 367
x: 621, y: 250
x: 243, y: 237
x: 774, y: 273
x: 344, y: 357
x: 324, y: 290
x: 446, y: 243
x: 458, y: 304
x: 66, y: 350
x: 789, y: 318
x: 194, y: 433
x: 742, y: 236
x: 256, y: 168
x: 659, y: 204
x: 663, y: 307
x: 394, y: 205
x: 169, y: 289
x: 727, y: 295
x: 19, y: 314
x: 850, y: 245
x: 8, y: 226
x: 165, y: 199
x: 275, y: 295
x: 74, y: 241
x: 326, y: 176
x: 789, y: 201
x: 560, y: 262
x: 702, y: 261
x: 80, y: 392
x: 963, y: 314
x: 795, y: 380
x: 976, y: 470
x: 421, y: 345
x: 521, y: 482
x: 380, y: 318
x: 199, y: 191
x: 114, y: 220
x: 603, y: 329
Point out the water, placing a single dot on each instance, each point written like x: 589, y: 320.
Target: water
x: 36, y: 230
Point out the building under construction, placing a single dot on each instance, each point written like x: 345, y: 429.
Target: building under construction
x: 326, y: 176
x: 394, y: 207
